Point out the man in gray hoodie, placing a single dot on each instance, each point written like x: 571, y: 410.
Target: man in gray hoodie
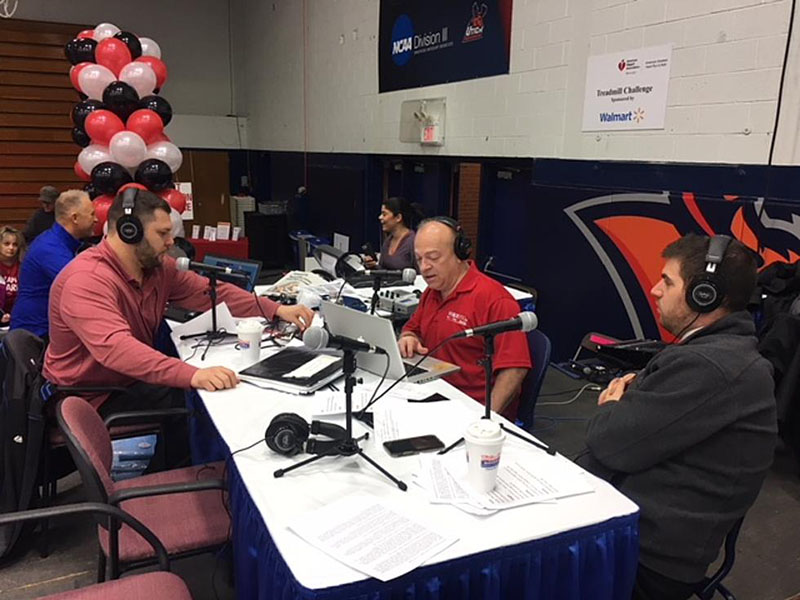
x: 690, y: 437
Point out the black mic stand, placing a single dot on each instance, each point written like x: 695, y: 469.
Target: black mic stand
x: 376, y: 287
x: 213, y: 335
x: 348, y: 445
x: 488, y: 370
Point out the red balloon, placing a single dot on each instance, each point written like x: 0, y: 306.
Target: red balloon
x: 138, y: 186
x: 175, y: 199
x: 146, y: 123
x: 101, y: 125
x: 113, y: 54
x: 73, y: 74
x: 80, y: 172
x: 86, y: 33
x: 101, y: 206
x: 159, y: 68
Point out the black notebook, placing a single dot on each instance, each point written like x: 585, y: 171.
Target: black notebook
x: 272, y: 371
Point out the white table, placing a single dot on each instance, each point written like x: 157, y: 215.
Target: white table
x: 241, y: 416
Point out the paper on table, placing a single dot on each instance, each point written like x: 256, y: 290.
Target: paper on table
x: 405, y: 391
x: 522, y: 482
x: 202, y: 323
x: 312, y: 367
x: 371, y: 537
x: 333, y: 403
x: 442, y: 487
x: 398, y: 420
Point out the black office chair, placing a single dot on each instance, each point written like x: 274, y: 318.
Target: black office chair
x: 712, y: 585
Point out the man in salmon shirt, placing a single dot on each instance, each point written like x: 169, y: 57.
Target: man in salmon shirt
x: 460, y: 297
x: 106, y: 307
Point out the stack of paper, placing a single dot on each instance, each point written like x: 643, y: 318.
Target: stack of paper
x: 522, y: 478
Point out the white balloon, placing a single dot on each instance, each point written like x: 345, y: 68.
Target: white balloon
x: 168, y: 152
x: 105, y: 30
x: 127, y: 148
x: 93, y: 80
x: 140, y: 76
x: 150, y: 47
x: 93, y: 155
x: 177, y: 224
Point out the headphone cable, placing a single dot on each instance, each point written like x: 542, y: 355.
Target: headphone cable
x: 254, y: 444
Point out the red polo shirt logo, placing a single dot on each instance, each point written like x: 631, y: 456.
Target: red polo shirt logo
x: 458, y: 319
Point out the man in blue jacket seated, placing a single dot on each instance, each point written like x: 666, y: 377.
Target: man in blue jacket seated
x: 690, y: 437
x: 49, y: 253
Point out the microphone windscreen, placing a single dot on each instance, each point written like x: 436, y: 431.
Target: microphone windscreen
x: 182, y: 263
x: 529, y: 320
x: 315, y: 338
x: 409, y: 275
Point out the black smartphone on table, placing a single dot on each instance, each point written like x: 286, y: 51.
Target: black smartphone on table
x: 413, y: 445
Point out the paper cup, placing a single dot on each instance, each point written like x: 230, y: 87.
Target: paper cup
x: 484, y: 441
x: 248, y: 332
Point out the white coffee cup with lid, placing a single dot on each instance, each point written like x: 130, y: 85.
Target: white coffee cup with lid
x: 248, y: 332
x: 484, y: 441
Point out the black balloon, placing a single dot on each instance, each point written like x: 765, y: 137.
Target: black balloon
x: 159, y: 105
x: 82, y: 109
x: 92, y: 190
x: 80, y: 137
x: 121, y: 99
x: 108, y: 177
x: 132, y: 42
x: 80, y: 50
x: 154, y: 174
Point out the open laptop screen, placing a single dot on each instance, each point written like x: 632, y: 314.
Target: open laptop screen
x: 251, y: 267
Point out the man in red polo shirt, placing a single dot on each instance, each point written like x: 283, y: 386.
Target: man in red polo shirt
x: 460, y: 297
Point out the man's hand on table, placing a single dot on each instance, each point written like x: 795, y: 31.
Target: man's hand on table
x: 409, y: 345
x: 298, y: 314
x: 214, y: 378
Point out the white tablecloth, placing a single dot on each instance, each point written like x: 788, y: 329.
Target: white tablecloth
x: 242, y: 414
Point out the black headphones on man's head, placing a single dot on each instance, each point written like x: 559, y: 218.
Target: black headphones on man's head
x: 129, y: 226
x: 707, y: 292
x: 288, y: 434
x: 462, y: 244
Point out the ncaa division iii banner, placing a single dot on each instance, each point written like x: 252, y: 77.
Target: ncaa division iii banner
x: 426, y: 42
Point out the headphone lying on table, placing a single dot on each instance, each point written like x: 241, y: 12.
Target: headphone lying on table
x: 288, y: 434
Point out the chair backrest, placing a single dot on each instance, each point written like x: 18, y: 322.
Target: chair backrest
x: 539, y: 348
x: 21, y: 432
x: 713, y: 584
x: 89, y: 444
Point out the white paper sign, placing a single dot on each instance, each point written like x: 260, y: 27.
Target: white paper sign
x: 186, y: 189
x: 627, y: 90
x: 341, y: 241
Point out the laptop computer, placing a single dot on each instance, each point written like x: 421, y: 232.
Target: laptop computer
x: 251, y: 267
x: 379, y: 332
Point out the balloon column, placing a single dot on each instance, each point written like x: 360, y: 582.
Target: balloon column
x: 120, y: 119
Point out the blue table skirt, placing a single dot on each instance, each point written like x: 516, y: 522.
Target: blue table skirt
x: 592, y: 563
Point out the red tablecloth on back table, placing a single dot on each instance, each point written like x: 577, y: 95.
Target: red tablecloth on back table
x: 238, y: 249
